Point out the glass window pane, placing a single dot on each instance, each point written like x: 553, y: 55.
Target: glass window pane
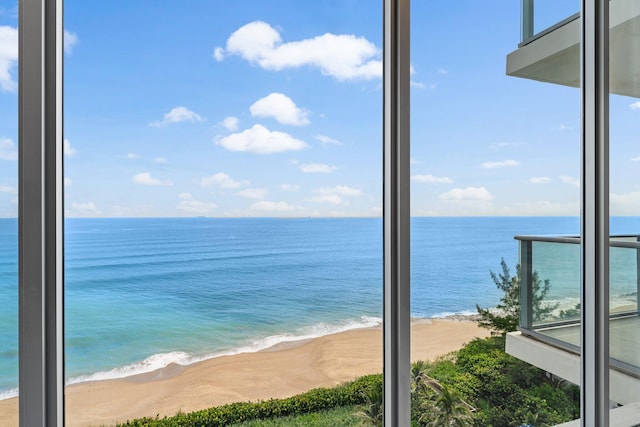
x: 495, y: 204
x: 223, y: 203
x: 8, y: 213
x: 550, y: 13
x: 624, y: 202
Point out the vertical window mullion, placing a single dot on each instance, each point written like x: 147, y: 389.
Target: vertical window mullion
x: 595, y: 213
x: 40, y: 214
x: 397, y: 396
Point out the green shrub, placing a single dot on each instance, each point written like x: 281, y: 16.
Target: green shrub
x: 349, y: 394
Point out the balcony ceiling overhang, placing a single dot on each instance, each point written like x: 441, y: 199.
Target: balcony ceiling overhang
x: 554, y: 55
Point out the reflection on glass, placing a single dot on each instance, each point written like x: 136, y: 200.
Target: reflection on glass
x: 551, y: 282
x: 223, y: 200
x: 495, y: 156
x: 8, y: 213
x: 624, y: 283
x: 550, y: 13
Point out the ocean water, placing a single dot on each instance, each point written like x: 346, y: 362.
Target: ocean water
x: 142, y: 293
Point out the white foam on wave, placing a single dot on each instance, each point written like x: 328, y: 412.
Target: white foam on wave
x: 9, y: 394
x: 311, y: 332
x: 150, y: 364
x: 162, y: 360
x: 447, y: 314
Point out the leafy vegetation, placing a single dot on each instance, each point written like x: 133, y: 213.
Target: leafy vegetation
x: 337, y: 417
x: 372, y: 412
x: 320, y: 399
x: 480, y: 385
x: 505, y: 318
x: 505, y: 390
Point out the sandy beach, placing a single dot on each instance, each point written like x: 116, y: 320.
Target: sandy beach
x: 281, y: 371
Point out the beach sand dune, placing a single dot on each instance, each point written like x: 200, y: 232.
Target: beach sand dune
x: 282, y: 371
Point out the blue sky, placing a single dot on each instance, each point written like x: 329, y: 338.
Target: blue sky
x: 274, y: 108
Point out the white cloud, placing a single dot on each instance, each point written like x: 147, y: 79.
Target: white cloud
x: 261, y: 140
x: 563, y: 127
x: 413, y: 161
x: 160, y: 160
x: 68, y: 149
x: 290, y: 187
x: 417, y: 85
x: 430, y: 179
x: 145, y: 178
x: 280, y: 107
x: 194, y: 207
x: 133, y: 210
x: 335, y: 195
x: 469, y: 193
x: 333, y: 199
x: 316, y: 168
x: 8, y: 57
x: 635, y: 105
x: 70, y: 40
x: 8, y: 189
x: 570, y: 180
x: 68, y: 182
x: 327, y: 140
x: 8, y: 149
x: 218, y: 53
x: 491, y: 165
x: 635, y: 159
x: 131, y: 156
x: 344, y: 57
x: 268, y: 206
x: 222, y: 180
x: 253, y: 193
x: 625, y: 203
x: 178, y: 115
x: 442, y: 71
x: 543, y: 208
x: 83, y: 209
x: 341, y: 190
x: 504, y: 144
x: 230, y: 123
x: 540, y: 180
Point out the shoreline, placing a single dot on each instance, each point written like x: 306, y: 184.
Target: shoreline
x: 279, y: 371
x: 186, y: 360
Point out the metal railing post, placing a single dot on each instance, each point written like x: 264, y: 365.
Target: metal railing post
x: 526, y: 289
x: 527, y: 20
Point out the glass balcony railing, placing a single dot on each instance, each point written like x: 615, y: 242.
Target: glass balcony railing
x: 550, y: 294
x: 542, y: 16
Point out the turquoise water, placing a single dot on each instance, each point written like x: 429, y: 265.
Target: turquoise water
x: 142, y: 293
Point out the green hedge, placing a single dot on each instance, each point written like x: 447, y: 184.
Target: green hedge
x: 352, y: 393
